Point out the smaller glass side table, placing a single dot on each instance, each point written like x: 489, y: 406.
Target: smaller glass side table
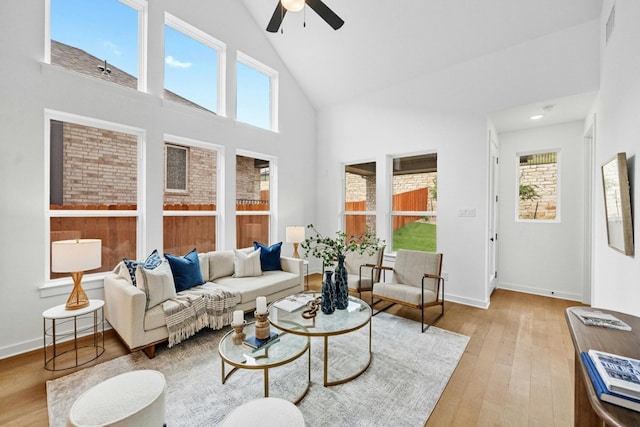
x: 62, y: 349
x: 287, y: 348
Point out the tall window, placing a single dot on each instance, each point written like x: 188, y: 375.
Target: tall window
x: 360, y: 198
x: 253, y: 200
x: 415, y: 202
x: 538, y: 186
x: 257, y: 93
x: 100, y: 38
x: 193, y: 66
x: 190, y: 197
x: 93, y: 185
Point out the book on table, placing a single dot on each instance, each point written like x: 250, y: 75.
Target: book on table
x: 257, y: 343
x: 601, y: 389
x: 620, y: 374
x: 593, y: 317
x: 293, y: 302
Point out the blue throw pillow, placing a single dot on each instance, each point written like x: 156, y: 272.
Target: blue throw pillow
x: 152, y: 261
x: 186, y: 270
x: 269, y: 256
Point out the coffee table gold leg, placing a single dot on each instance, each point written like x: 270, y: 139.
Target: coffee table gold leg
x: 266, y: 382
x: 326, y: 360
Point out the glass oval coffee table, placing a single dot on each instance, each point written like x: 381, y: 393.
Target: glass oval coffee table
x: 285, y: 349
x: 340, y: 322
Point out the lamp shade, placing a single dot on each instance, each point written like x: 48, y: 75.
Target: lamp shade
x: 293, y: 5
x: 70, y: 256
x: 295, y: 234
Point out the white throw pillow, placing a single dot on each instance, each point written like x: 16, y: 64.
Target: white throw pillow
x: 156, y: 283
x: 246, y: 265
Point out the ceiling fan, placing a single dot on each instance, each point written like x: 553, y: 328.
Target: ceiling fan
x: 295, y: 5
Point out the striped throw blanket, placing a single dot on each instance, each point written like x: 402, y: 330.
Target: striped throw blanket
x: 197, y: 308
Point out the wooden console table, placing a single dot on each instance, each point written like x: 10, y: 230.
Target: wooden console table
x: 589, y: 410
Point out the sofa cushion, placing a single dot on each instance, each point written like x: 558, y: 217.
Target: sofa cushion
x: 269, y: 256
x: 246, y: 265
x: 154, y: 318
x: 220, y: 264
x: 186, y: 270
x: 157, y: 284
x: 269, y: 283
x: 152, y: 261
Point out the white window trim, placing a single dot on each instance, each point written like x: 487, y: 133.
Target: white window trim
x: 274, y: 85
x: 557, y: 219
x: 186, y: 142
x: 139, y: 213
x: 273, y: 193
x: 393, y: 213
x: 143, y: 19
x: 212, y: 42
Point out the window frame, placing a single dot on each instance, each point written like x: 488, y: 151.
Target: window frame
x: 366, y: 213
x: 392, y: 213
x: 187, y: 142
x: 274, y: 88
x: 139, y: 213
x: 141, y: 6
x: 273, y: 194
x: 207, y: 39
x: 557, y: 219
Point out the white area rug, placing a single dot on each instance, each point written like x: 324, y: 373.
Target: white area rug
x: 408, y: 373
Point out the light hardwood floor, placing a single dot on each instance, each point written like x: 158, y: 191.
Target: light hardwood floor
x: 517, y: 369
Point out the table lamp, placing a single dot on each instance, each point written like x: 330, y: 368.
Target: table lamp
x: 295, y: 235
x: 75, y: 257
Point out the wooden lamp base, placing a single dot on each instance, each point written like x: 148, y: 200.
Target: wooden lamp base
x: 78, y: 298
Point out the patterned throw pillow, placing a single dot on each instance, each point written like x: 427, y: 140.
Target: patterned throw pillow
x: 152, y: 261
x: 156, y: 283
x: 269, y: 256
x: 186, y: 270
x: 246, y: 265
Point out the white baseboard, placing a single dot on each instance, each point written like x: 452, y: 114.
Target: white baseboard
x: 539, y: 291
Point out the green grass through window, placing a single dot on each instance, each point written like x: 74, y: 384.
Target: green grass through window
x: 416, y: 235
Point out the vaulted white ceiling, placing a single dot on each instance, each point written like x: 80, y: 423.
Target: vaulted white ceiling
x: 385, y: 42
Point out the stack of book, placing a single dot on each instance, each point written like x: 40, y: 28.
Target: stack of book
x: 616, y: 379
x: 256, y: 344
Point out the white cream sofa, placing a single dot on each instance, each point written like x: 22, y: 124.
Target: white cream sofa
x: 124, y: 306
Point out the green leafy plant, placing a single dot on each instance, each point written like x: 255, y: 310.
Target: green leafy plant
x: 328, y: 249
x: 528, y: 192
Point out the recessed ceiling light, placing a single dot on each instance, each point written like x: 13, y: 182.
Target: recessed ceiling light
x: 536, y: 117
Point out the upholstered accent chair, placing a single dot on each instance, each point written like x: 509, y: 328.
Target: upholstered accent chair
x: 363, y: 270
x: 416, y: 282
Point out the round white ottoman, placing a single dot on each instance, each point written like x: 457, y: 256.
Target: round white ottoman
x: 265, y: 412
x: 135, y: 398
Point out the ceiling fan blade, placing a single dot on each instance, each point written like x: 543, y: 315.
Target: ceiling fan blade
x: 276, y: 19
x: 325, y: 13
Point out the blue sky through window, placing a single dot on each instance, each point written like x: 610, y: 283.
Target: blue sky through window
x: 190, y: 69
x: 107, y: 29
x: 254, y: 96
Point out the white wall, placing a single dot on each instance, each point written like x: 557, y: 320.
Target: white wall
x: 447, y: 112
x: 28, y: 87
x: 543, y: 257
x: 616, y: 284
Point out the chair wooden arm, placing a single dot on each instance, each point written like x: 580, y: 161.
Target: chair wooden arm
x: 384, y: 267
x: 433, y: 276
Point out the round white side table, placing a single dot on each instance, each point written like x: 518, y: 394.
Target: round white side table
x: 62, y: 349
x: 136, y: 398
x: 265, y: 412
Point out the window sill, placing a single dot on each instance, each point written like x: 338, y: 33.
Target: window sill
x: 63, y: 286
